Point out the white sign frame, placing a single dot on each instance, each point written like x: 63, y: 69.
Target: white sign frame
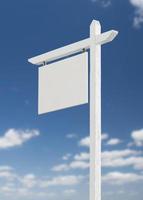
x: 93, y: 43
x: 63, y: 84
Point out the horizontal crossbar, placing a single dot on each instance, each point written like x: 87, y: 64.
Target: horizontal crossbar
x: 73, y: 48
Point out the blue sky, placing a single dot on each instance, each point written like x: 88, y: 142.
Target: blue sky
x: 46, y: 157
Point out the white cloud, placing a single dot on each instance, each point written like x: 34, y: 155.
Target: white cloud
x: 6, y: 172
x: 80, y: 161
x: 7, y: 175
x: 122, y: 158
x: 121, y: 178
x: 62, y: 181
x: 29, y: 180
x: 7, y: 190
x: 82, y: 156
x: 119, y: 153
x: 45, y: 194
x: 79, y: 165
x: 114, y: 141
x: 137, y: 136
x: 136, y: 162
x: 14, y: 137
x: 104, y: 136
x: 5, y: 168
x: 69, y: 192
x: 138, y: 18
x: 61, y: 167
x: 31, y: 186
x: 103, y: 3
x: 85, y: 142
x: 18, y: 192
x: 73, y: 165
x: 110, y: 159
x: 66, y: 156
x: 116, y: 158
x: 71, y: 136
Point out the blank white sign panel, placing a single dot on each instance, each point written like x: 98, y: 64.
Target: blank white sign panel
x: 63, y: 84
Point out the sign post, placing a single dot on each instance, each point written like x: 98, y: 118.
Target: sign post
x: 77, y: 91
x: 95, y: 113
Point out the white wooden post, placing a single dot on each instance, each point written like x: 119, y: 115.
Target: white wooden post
x: 95, y: 113
x: 93, y: 43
